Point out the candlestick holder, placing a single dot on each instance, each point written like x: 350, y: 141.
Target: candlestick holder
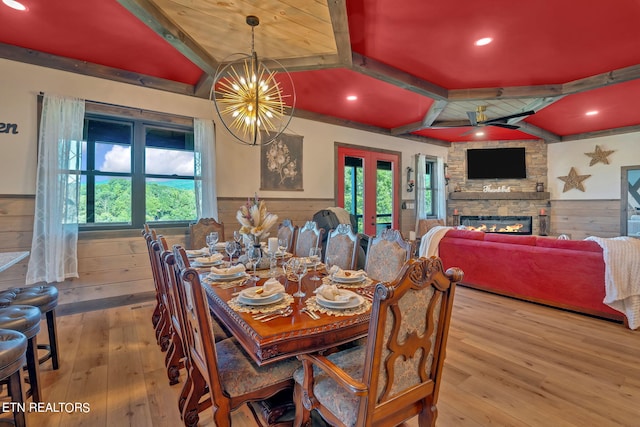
x: 455, y: 220
x: 543, y: 225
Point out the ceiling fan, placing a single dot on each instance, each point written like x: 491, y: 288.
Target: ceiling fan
x: 479, y: 118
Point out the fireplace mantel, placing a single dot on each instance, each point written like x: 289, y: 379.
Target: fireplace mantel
x: 512, y: 195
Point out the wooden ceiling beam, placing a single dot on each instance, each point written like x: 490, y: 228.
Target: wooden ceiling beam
x: 396, y: 77
x: 620, y: 75
x: 548, y: 137
x: 429, y: 118
x: 28, y: 56
x: 150, y: 14
x: 601, y: 133
x: 340, y: 23
x: 309, y: 115
x: 485, y: 94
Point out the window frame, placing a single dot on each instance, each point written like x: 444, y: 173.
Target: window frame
x: 431, y: 190
x: 140, y: 120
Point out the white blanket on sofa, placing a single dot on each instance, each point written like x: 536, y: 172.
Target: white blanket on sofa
x: 430, y: 241
x: 622, y: 275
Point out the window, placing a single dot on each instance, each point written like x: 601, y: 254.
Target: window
x: 430, y: 187
x: 135, y: 171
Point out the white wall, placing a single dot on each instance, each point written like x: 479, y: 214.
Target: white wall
x: 604, y: 182
x: 238, y: 171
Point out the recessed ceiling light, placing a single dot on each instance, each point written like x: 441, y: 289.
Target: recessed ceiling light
x: 479, y: 133
x: 14, y: 4
x: 352, y: 98
x: 591, y: 113
x: 483, y: 41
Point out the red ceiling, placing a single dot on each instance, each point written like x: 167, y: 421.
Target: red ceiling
x: 535, y: 42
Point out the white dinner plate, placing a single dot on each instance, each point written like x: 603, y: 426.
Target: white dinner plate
x: 231, y: 276
x: 271, y: 299
x: 354, y: 301
x: 349, y: 279
x: 195, y: 253
x: 206, y: 264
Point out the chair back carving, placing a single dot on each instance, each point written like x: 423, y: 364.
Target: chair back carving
x: 398, y: 370
x: 342, y: 244
x: 286, y: 230
x: 407, y: 339
x: 198, y: 232
x: 309, y: 236
x: 386, y: 254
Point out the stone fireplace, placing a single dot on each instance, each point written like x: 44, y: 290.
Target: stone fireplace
x: 509, y: 224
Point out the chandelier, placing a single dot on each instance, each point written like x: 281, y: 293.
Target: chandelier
x: 249, y: 100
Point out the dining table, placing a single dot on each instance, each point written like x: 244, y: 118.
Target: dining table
x: 290, y: 334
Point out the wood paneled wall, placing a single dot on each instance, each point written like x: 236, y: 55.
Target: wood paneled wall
x: 114, y: 267
x: 584, y: 218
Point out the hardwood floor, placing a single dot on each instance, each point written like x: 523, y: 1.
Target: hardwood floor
x: 509, y: 363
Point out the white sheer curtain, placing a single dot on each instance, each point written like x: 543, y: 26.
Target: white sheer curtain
x: 205, y: 168
x: 421, y: 188
x: 441, y: 190
x: 55, y: 228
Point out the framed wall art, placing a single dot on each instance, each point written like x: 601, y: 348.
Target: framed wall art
x: 281, y: 164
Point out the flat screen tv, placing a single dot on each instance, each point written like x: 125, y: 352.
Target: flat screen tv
x: 500, y: 163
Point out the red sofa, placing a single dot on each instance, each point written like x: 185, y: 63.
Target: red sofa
x: 568, y: 274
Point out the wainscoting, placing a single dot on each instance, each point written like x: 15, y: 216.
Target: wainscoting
x: 114, y: 267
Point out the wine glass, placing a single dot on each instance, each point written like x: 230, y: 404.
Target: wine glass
x: 283, y: 242
x: 237, y: 236
x: 254, y: 254
x: 230, y: 249
x: 329, y: 262
x: 299, y: 269
x: 315, y: 254
x: 212, y: 241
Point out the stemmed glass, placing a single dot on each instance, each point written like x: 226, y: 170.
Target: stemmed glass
x: 314, y: 257
x: 282, y: 245
x: 254, y: 254
x: 329, y: 262
x: 230, y: 249
x: 212, y: 241
x: 299, y: 268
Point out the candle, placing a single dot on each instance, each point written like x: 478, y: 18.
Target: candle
x: 273, y: 245
x: 542, y: 212
x: 455, y: 211
x: 412, y: 235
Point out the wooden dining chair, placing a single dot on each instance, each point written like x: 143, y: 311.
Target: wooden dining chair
x: 198, y: 232
x: 223, y: 368
x: 286, y: 230
x: 386, y: 254
x: 396, y: 374
x: 308, y: 236
x: 160, y: 318
x: 342, y: 247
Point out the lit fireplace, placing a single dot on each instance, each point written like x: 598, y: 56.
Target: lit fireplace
x: 498, y: 224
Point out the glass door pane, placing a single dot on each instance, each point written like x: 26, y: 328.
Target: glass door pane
x: 384, y: 195
x: 631, y: 200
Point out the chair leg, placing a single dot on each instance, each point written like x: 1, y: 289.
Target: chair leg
x: 52, y: 347
x: 16, y: 391
x: 33, y: 369
x: 303, y: 415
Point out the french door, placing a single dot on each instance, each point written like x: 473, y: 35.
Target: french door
x: 368, y: 185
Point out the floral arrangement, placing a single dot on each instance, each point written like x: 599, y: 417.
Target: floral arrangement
x: 254, y: 218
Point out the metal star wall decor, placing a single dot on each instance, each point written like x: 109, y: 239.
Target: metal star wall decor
x: 573, y: 180
x: 599, y: 156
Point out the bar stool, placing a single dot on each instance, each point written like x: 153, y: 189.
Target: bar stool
x: 45, y: 298
x: 13, y: 348
x: 26, y: 319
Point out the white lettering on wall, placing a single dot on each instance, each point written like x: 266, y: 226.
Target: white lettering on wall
x: 502, y: 189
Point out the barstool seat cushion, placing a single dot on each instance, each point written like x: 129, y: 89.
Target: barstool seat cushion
x: 44, y: 297
x: 13, y: 347
x: 21, y: 318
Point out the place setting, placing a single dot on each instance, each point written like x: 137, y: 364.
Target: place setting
x: 346, y: 278
x: 331, y: 299
x: 227, y: 277
x: 207, y: 261
x: 266, y: 301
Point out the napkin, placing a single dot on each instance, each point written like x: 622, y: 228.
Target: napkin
x: 270, y: 287
x: 209, y: 259
x: 338, y: 272
x: 331, y: 293
x: 228, y: 271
